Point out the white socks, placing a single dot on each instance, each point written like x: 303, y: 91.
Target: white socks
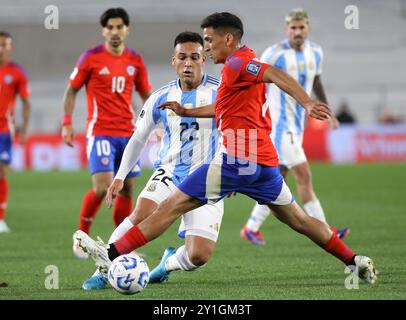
x: 314, y: 209
x: 121, y: 230
x: 179, y: 261
x: 258, y: 216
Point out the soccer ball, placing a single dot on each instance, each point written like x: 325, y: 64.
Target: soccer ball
x: 128, y: 273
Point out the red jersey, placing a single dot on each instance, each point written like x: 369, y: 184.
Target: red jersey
x: 110, y: 81
x: 242, y: 114
x: 13, y: 81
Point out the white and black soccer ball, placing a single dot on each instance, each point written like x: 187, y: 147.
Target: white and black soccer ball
x: 128, y: 273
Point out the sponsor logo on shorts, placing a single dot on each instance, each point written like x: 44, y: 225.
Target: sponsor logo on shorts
x: 152, y: 187
x: 215, y: 227
x: 105, y: 161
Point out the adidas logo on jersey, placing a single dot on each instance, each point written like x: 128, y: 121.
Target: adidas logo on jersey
x: 105, y: 70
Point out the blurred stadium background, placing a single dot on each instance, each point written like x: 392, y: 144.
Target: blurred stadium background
x: 364, y: 67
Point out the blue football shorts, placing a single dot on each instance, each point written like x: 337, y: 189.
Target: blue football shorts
x: 226, y: 174
x: 104, y: 154
x: 5, y: 148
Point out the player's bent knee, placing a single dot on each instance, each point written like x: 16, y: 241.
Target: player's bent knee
x: 126, y: 192
x: 100, y: 191
x: 199, y: 258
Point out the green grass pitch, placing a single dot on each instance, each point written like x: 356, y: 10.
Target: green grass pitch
x: 370, y: 199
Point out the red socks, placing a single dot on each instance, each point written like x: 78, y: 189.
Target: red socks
x: 130, y: 241
x: 122, y: 209
x: 338, y: 248
x: 90, y: 205
x: 3, y: 197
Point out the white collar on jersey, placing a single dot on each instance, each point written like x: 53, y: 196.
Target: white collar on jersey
x: 202, y: 83
x: 286, y: 44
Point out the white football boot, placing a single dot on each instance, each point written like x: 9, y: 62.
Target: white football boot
x: 97, y: 250
x: 4, y: 227
x: 78, y: 251
x: 366, y: 269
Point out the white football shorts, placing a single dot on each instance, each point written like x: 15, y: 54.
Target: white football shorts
x: 204, y: 221
x: 290, y: 149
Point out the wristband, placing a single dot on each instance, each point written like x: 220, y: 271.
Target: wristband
x: 66, y: 120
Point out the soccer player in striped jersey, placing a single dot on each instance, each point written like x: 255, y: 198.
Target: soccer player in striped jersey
x: 302, y: 60
x: 110, y: 72
x: 186, y: 144
x: 246, y: 160
x: 13, y: 82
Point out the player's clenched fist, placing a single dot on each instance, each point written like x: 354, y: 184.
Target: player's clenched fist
x: 174, y: 106
x: 67, y: 134
x: 113, y: 190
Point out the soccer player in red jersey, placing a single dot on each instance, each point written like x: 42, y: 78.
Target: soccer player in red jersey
x: 13, y: 82
x: 110, y: 72
x: 247, y: 161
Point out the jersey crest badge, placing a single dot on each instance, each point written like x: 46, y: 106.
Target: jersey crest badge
x: 152, y: 187
x: 253, y: 68
x: 8, y: 78
x: 130, y: 70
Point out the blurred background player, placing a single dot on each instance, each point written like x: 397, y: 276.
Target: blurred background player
x: 186, y: 144
x: 110, y: 71
x: 13, y: 81
x: 302, y: 60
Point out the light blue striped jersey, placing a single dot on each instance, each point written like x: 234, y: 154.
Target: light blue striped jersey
x: 303, y: 66
x: 187, y: 142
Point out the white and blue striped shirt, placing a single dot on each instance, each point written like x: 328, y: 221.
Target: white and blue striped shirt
x: 303, y: 66
x: 187, y: 142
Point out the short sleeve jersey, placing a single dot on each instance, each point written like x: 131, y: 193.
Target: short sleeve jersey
x: 13, y: 82
x: 242, y: 114
x: 110, y: 82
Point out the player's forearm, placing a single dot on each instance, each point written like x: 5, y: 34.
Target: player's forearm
x: 69, y: 100
x: 144, y: 96
x: 202, y: 112
x: 286, y: 83
x: 318, y: 90
x: 26, y: 114
x: 132, y: 153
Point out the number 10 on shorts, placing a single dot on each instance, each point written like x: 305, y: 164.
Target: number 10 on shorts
x: 103, y: 148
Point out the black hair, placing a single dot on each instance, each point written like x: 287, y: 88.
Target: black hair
x: 5, y: 34
x: 114, y: 13
x: 224, y: 20
x: 188, y: 36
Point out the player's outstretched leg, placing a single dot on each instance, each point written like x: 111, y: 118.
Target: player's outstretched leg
x: 321, y: 234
